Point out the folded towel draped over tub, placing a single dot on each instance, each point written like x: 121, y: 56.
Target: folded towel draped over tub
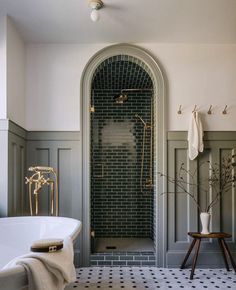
x: 195, y: 136
x: 48, y: 271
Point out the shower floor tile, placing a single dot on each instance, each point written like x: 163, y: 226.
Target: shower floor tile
x: 141, y: 278
x: 124, y: 245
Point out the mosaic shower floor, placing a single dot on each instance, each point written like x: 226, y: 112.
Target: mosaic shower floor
x: 124, y: 244
x: 128, y: 278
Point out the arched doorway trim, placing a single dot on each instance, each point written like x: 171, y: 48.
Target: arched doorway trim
x: 159, y: 141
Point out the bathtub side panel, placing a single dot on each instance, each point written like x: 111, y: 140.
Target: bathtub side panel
x: 14, y: 278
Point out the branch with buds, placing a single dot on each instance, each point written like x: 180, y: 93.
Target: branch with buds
x: 221, y: 179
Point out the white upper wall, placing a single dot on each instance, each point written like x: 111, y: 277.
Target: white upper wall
x: 12, y: 73
x: 196, y: 74
x: 15, y: 75
x: 201, y: 75
x: 53, y: 74
x: 3, y: 67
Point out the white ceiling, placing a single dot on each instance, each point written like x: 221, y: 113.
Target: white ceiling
x: 188, y: 21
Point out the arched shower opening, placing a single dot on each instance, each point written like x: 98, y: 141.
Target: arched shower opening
x: 122, y: 136
x: 121, y: 142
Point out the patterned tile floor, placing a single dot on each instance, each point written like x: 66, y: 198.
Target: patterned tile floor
x: 116, y: 278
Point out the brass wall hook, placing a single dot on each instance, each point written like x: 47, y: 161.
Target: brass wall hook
x: 180, y: 110
x: 224, y: 112
x: 195, y: 109
x: 209, y: 112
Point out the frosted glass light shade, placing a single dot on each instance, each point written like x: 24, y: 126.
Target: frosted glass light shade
x: 94, y: 15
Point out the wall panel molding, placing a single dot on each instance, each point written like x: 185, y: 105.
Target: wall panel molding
x: 182, y: 213
x: 3, y: 172
x: 53, y: 136
x: 60, y: 151
x: 16, y: 173
x: 208, y: 135
x: 12, y: 168
x: 19, y: 150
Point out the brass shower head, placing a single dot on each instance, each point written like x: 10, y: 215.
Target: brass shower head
x: 121, y: 98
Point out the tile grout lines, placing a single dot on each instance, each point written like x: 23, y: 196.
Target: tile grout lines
x: 141, y: 278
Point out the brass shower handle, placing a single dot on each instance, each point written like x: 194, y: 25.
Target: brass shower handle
x: 102, y: 171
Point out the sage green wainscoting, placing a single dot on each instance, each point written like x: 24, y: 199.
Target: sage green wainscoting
x: 62, y: 151
x: 12, y: 168
x: 16, y: 170
x: 3, y: 168
x: 19, y: 150
x: 182, y: 214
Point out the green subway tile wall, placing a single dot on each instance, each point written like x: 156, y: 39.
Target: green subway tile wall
x: 118, y: 206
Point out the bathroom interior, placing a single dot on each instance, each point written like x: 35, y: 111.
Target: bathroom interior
x: 108, y: 111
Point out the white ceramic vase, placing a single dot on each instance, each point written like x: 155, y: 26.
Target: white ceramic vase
x: 205, y: 220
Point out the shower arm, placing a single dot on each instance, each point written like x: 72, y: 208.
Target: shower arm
x: 141, y: 119
x: 136, y: 90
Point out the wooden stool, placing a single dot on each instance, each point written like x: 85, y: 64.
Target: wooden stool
x: 197, y: 237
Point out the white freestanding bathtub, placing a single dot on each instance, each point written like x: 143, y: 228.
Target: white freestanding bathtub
x: 16, y: 237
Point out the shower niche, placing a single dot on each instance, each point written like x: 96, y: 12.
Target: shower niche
x: 122, y: 160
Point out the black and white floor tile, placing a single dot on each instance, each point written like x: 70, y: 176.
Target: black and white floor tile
x: 130, y: 278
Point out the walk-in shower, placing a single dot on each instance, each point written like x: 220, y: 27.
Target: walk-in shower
x: 122, y: 197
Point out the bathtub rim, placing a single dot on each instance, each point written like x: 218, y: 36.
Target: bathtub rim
x: 73, y: 235
x: 18, y: 272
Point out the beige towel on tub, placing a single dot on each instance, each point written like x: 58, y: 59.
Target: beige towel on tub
x: 195, y: 136
x: 48, y: 271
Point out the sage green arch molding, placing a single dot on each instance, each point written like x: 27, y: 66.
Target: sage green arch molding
x: 159, y: 141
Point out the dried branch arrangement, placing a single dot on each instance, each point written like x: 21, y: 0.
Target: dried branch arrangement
x: 222, y: 178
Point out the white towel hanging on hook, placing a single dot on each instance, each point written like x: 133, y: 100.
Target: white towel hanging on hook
x: 195, y: 136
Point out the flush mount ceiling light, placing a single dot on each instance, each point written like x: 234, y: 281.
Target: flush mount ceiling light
x: 95, y: 5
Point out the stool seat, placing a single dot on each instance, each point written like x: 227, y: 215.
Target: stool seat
x: 217, y: 235
x: 197, y: 237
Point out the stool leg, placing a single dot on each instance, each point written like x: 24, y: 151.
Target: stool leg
x: 195, y: 258
x: 188, y: 253
x: 223, y: 253
x: 229, y: 254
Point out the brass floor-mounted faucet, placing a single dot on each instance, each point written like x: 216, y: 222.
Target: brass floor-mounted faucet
x: 36, y: 182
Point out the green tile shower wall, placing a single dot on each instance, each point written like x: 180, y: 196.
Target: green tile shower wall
x: 124, y: 259
x: 119, y: 208
x: 121, y: 72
